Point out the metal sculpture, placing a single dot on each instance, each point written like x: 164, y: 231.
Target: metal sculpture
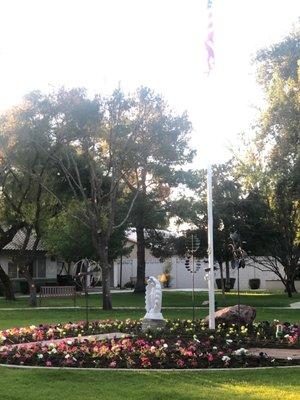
x: 87, y: 274
x: 237, y: 262
x: 192, y: 245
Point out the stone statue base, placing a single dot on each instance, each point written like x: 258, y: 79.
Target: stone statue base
x: 153, y: 324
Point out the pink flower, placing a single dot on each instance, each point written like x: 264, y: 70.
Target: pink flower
x: 48, y: 364
x: 210, y: 357
x: 113, y: 364
x: 180, y: 363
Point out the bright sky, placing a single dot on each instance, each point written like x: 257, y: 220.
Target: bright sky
x: 157, y: 43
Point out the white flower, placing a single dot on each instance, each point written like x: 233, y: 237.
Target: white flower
x: 225, y: 358
x: 67, y: 356
x: 54, y: 351
x: 287, y: 336
x: 32, y: 327
x: 52, y: 345
x: 69, y: 342
x: 40, y: 356
x: 240, y: 351
x: 215, y: 348
x: 165, y: 345
x: 289, y: 358
x: 2, y: 339
x: 228, y: 341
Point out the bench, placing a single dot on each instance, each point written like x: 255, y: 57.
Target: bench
x: 57, y: 291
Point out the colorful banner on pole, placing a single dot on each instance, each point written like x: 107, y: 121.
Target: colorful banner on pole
x: 209, y: 42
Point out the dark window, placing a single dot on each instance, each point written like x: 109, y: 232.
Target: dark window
x: 39, y: 270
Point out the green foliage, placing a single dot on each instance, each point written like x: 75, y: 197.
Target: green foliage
x: 269, y: 170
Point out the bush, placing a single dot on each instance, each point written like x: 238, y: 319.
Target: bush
x: 24, y: 288
x: 219, y: 284
x: 128, y: 285
x: 254, y: 283
x: 65, y: 280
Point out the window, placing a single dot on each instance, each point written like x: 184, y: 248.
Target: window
x: 12, y: 270
x: 39, y: 268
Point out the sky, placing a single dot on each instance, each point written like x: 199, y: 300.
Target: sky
x: 101, y: 44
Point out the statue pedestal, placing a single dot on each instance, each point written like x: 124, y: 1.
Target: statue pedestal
x: 149, y: 324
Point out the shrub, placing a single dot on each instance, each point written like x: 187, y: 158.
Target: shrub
x: 254, y: 283
x: 128, y: 285
x: 24, y: 288
x: 219, y: 285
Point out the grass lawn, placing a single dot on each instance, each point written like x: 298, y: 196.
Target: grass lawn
x: 170, y: 299
x: 262, y: 300
x: 18, y: 318
x: 209, y: 385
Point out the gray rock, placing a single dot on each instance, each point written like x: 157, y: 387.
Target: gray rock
x: 231, y: 315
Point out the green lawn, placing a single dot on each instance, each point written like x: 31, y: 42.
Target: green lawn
x: 10, y: 319
x: 263, y: 301
x: 171, y: 299
x: 209, y: 385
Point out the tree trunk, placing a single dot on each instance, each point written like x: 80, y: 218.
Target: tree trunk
x: 141, y: 263
x: 102, y: 250
x: 222, y: 278
x: 294, y: 290
x: 7, y: 286
x: 290, y: 286
x: 227, y: 271
x: 32, y: 287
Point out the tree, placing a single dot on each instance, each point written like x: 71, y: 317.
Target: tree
x: 270, y: 169
x: 25, y: 171
x: 227, y: 213
x: 161, y: 149
x: 67, y: 238
x: 93, y: 141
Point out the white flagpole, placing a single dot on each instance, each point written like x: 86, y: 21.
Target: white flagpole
x: 211, y: 280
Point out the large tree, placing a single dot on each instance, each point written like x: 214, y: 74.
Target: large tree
x: 161, y: 149
x: 94, y: 140
x: 269, y: 168
x: 25, y: 171
x: 227, y: 213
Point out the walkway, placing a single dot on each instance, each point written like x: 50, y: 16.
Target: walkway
x: 295, y: 305
x: 277, y: 353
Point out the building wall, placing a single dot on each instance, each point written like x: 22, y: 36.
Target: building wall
x: 180, y: 277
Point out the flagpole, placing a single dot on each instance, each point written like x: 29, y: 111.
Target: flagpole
x: 211, y: 280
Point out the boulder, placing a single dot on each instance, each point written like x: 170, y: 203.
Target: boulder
x: 234, y: 314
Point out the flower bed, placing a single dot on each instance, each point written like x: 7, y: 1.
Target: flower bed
x: 258, y: 334
x: 134, y: 353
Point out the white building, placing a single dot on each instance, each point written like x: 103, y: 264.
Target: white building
x: 126, y: 271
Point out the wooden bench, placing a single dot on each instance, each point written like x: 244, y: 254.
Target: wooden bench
x: 57, y: 291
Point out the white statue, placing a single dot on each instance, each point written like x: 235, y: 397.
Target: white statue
x: 153, y: 299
